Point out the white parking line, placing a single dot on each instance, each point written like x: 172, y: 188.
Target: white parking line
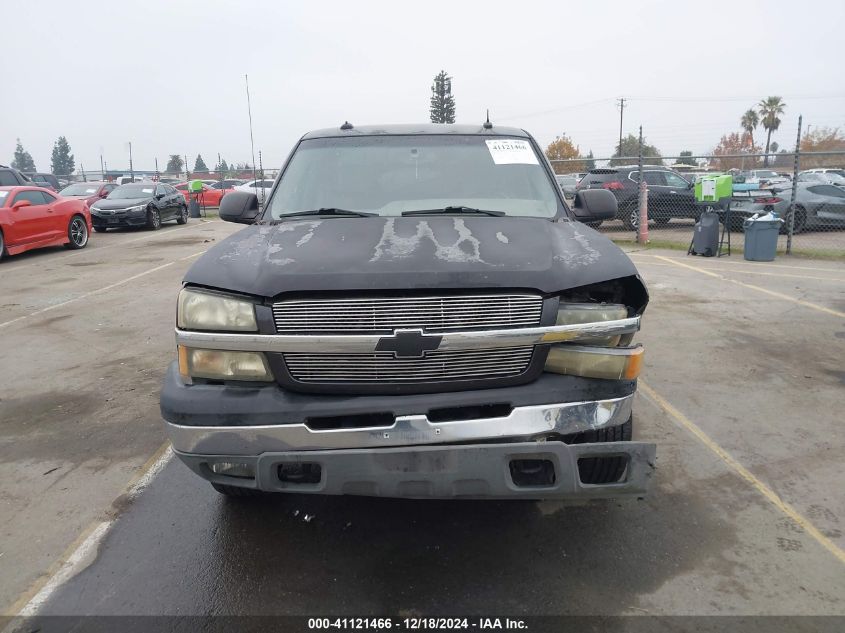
x: 722, y: 262
x: 83, y: 550
x: 96, y: 292
x: 779, y: 295
x: 12, y: 266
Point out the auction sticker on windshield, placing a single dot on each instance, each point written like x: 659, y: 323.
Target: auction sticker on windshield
x: 511, y: 151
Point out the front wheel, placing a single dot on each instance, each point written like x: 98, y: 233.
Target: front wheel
x: 153, y: 219
x: 77, y: 233
x: 183, y: 216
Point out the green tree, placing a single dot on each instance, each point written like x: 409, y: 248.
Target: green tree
x: 631, y: 147
x: 590, y: 163
x: 442, y: 109
x: 563, y: 149
x: 62, y: 161
x: 174, y: 164
x: 23, y: 159
x: 199, y: 164
x: 686, y: 158
x: 749, y: 123
x: 222, y: 167
x: 770, y: 110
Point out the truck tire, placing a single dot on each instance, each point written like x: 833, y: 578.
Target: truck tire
x: 236, y: 491
x: 603, y: 470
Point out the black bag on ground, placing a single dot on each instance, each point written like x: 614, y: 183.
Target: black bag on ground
x: 705, y: 237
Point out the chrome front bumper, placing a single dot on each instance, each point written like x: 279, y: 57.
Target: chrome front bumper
x: 527, y: 423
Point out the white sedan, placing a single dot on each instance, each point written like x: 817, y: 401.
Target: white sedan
x: 260, y: 188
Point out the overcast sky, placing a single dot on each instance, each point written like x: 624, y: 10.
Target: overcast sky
x: 169, y: 76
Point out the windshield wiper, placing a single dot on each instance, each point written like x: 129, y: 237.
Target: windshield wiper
x: 451, y: 210
x: 328, y: 211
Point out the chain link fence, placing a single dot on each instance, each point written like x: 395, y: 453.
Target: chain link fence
x: 805, y: 189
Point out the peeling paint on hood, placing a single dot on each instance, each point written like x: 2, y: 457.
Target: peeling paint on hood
x: 410, y: 252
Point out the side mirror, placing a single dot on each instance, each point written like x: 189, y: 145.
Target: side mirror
x: 21, y: 204
x: 159, y: 196
x: 592, y: 205
x: 104, y: 194
x: 240, y: 207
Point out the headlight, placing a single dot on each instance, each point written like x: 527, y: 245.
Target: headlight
x: 207, y: 311
x: 575, y: 313
x: 136, y: 208
x: 615, y: 363
x: 223, y: 365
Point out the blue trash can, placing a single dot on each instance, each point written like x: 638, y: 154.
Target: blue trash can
x: 761, y: 238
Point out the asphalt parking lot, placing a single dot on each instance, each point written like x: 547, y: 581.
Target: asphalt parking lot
x: 742, y: 391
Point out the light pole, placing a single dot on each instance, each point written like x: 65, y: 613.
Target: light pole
x: 131, y: 169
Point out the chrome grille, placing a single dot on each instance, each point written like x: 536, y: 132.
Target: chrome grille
x: 384, y: 367
x: 385, y: 314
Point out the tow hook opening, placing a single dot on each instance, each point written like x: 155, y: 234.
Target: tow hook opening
x: 300, y: 473
x: 532, y: 472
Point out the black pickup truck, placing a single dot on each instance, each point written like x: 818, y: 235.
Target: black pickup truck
x: 415, y: 312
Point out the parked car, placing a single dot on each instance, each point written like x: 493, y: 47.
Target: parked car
x: 90, y: 192
x: 34, y: 217
x: 139, y: 204
x: 123, y: 180
x: 435, y: 327
x: 817, y: 205
x: 761, y: 177
x: 229, y: 183
x: 669, y: 194
x: 9, y: 177
x: 47, y: 181
x: 824, y: 177
x: 259, y: 187
x: 826, y: 170
x: 209, y: 196
x: 567, y: 183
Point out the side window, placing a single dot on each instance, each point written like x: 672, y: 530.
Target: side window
x: 828, y: 190
x: 654, y: 178
x: 674, y: 180
x: 7, y: 178
x: 48, y: 197
x: 34, y: 197
x: 109, y: 188
x: 160, y: 191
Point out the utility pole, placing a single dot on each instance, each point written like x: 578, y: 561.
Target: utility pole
x: 187, y: 175
x: 102, y: 166
x: 249, y: 110
x: 158, y: 176
x: 621, y: 101
x: 131, y: 170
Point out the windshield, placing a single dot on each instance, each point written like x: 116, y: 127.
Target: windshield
x: 391, y: 175
x: 767, y: 174
x: 81, y: 189
x: 126, y: 192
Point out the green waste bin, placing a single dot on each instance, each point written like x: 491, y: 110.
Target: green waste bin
x: 714, y: 190
x: 761, y: 238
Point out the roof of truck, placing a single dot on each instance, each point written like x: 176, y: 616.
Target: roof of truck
x: 415, y: 129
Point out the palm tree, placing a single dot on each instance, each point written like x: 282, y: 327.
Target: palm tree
x: 770, y: 108
x: 749, y: 123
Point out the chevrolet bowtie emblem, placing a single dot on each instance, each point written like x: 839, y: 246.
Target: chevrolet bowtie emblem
x: 408, y: 343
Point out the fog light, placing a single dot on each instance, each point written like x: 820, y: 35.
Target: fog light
x: 233, y: 469
x: 218, y: 364
x: 611, y: 363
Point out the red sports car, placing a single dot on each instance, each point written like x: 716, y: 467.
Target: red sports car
x: 34, y: 217
x: 209, y: 197
x: 89, y: 192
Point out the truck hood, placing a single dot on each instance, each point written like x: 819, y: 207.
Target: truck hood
x: 361, y: 254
